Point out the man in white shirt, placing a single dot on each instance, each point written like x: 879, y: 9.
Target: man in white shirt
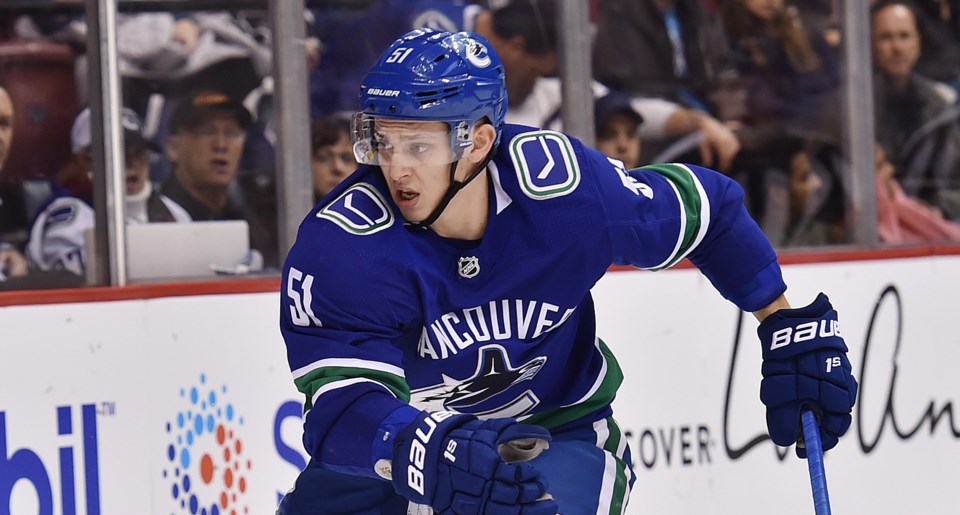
x: 524, y: 35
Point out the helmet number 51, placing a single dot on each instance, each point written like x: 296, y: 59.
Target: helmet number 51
x: 399, y: 55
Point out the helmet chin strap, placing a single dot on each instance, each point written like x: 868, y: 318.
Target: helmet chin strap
x: 452, y: 190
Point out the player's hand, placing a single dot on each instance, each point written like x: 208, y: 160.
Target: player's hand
x: 451, y: 462
x: 805, y: 366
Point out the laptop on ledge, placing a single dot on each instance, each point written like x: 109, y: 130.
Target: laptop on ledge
x: 175, y: 251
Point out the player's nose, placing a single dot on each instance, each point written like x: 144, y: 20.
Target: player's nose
x: 396, y: 171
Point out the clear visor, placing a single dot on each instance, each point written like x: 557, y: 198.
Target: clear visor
x: 386, y: 141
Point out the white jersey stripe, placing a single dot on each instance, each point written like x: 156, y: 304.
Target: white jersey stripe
x: 600, y: 377
x: 704, y: 212
x: 609, y: 479
x: 602, y: 431
x: 348, y: 363
x: 626, y: 494
x: 622, y: 446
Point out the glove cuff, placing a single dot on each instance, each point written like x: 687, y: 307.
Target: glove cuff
x: 387, y: 431
x: 791, y: 332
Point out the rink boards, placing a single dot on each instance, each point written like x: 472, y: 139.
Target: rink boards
x: 184, y: 404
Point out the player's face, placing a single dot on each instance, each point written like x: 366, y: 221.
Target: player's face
x: 896, y: 42
x: 6, y: 125
x: 619, y: 140
x: 415, y: 158
x: 331, y: 164
x: 208, y: 155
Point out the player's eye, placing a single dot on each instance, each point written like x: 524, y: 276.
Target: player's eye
x: 419, y: 148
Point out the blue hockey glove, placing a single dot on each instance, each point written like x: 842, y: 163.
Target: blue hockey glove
x: 453, y: 463
x: 805, y: 366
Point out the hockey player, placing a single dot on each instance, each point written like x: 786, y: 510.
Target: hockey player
x: 437, y: 310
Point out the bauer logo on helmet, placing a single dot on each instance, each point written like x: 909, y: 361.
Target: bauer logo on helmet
x: 383, y: 92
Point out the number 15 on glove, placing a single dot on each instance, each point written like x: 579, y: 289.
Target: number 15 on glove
x: 805, y: 366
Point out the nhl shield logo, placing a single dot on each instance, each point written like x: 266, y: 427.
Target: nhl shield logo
x: 468, y: 267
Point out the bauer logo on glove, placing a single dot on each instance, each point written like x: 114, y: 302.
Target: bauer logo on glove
x: 454, y: 464
x: 805, y: 366
x: 804, y: 332
x: 418, y: 449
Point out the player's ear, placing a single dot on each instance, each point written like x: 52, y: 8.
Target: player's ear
x: 483, y: 137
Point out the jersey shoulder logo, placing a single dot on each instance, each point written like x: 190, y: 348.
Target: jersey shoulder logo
x: 361, y: 210
x: 545, y: 163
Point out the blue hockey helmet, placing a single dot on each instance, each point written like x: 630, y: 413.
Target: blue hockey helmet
x: 429, y: 75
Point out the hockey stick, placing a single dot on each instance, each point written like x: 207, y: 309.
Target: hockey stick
x: 818, y: 476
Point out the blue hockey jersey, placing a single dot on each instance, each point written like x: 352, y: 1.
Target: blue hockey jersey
x: 376, y: 314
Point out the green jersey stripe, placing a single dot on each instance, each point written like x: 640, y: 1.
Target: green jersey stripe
x: 684, y: 213
x: 613, y: 440
x: 610, y: 378
x: 694, y: 213
x: 325, y: 379
x: 616, y: 476
x: 617, y: 445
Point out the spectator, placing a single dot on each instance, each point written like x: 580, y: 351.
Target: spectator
x: 57, y: 236
x: 672, y: 49
x: 939, y: 24
x: 823, y: 17
x: 331, y: 154
x: 904, y: 219
x: 13, y: 213
x: 526, y: 39
x: 790, y: 74
x: 12, y: 262
x: 618, y: 128
x: 816, y: 212
x: 165, y: 45
x: 524, y: 35
x: 916, y: 126
x: 17, y: 203
x: 208, y: 130
x: 790, y: 78
x: 335, y: 80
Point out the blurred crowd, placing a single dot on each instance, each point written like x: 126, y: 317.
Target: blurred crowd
x: 748, y: 87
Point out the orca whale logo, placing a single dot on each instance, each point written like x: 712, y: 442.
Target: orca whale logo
x: 494, y: 375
